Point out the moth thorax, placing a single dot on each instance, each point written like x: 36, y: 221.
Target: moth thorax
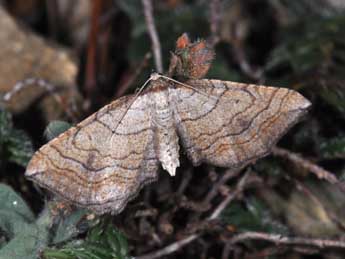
x: 163, y: 115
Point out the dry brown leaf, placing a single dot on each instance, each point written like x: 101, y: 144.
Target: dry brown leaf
x: 26, y: 55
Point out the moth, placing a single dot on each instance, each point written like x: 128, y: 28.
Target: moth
x: 104, y: 161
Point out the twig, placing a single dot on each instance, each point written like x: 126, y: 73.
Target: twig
x: 306, y: 164
x: 90, y: 83
x: 53, y: 18
x: 266, y: 253
x: 240, y: 55
x: 156, y: 46
x: 192, y: 205
x: 230, y: 173
x: 305, y: 250
x: 170, y: 248
x: 130, y: 80
x: 183, y: 242
x: 241, y: 58
x: 214, y: 21
x: 302, y: 187
x: 206, y: 202
x: 187, y: 177
x: 227, y: 250
x: 46, y: 86
x: 150, y: 212
x: 205, y: 247
x: 239, y: 188
x: 279, y: 239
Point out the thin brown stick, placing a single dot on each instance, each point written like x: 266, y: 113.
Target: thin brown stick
x: 170, y: 248
x: 53, y: 18
x: 227, y: 250
x: 90, y: 83
x: 123, y: 87
x: 214, y: 21
x: 240, y: 55
x: 306, y: 164
x: 302, y: 187
x: 266, y: 252
x: 206, y: 202
x: 241, y: 58
x: 47, y: 87
x: 239, y: 188
x: 230, y: 173
x: 151, y: 27
x: 283, y: 240
x: 185, y: 181
x: 183, y: 242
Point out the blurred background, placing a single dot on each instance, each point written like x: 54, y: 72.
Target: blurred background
x: 92, y: 52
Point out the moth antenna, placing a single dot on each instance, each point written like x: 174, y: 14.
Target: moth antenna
x: 138, y: 92
x: 47, y: 86
x: 188, y: 86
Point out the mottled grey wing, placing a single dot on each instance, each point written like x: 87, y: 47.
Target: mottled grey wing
x: 231, y: 124
x: 104, y: 161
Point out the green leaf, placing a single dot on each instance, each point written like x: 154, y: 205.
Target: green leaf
x: 117, y: 242
x: 332, y: 91
x: 102, y: 242
x: 68, y: 226
x: 219, y: 69
x: 26, y: 237
x: 15, y: 215
x: 255, y: 216
x: 15, y: 145
x: 312, y: 55
x: 55, y: 128
x: 22, y: 246
x: 20, y: 148
x: 333, y: 148
x: 178, y: 20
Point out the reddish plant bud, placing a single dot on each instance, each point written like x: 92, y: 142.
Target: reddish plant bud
x: 183, y: 41
x: 191, y: 60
